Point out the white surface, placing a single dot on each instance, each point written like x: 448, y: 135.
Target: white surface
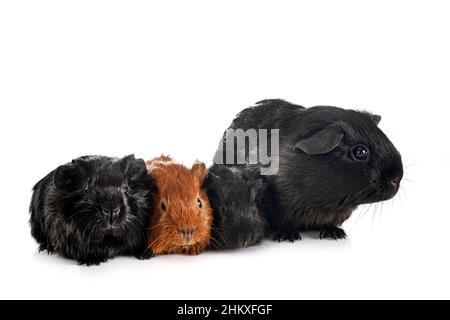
x: 112, y: 78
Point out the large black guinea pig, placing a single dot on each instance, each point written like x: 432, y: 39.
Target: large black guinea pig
x: 330, y: 161
x: 237, y: 222
x: 92, y: 209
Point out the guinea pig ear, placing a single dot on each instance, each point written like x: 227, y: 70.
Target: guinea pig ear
x: 211, y: 181
x: 136, y: 172
x: 322, y: 141
x: 129, y: 157
x: 375, y: 118
x: 199, y: 170
x: 68, y: 177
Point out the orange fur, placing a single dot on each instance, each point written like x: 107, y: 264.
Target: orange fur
x: 177, y: 191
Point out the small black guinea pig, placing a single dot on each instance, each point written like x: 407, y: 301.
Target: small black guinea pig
x: 237, y: 220
x: 330, y: 161
x: 92, y: 209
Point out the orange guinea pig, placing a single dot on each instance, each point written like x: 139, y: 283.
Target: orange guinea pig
x: 182, y: 217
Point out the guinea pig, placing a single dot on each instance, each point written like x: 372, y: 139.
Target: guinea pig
x: 92, y: 209
x: 237, y: 220
x: 330, y: 161
x: 182, y: 217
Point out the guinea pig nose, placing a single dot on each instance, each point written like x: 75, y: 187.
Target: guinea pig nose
x: 187, y: 233
x: 112, y: 213
x: 116, y: 212
x: 395, y: 182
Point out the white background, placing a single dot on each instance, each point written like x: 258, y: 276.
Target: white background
x: 120, y: 77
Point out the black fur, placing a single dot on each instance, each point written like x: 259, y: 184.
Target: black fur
x: 320, y: 182
x: 92, y: 209
x: 237, y: 220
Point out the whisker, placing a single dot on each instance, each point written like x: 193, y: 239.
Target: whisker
x: 78, y: 213
x: 363, y: 213
x: 380, y: 219
x: 153, y: 242
x: 155, y: 226
x: 374, y: 213
x: 146, y: 250
x: 220, y: 246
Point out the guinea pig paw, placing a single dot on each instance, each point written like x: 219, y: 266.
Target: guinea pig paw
x: 291, y: 236
x: 91, y: 261
x: 45, y: 247
x: 244, y: 243
x: 333, y: 233
x: 249, y: 241
x: 194, y: 251
x: 146, y: 255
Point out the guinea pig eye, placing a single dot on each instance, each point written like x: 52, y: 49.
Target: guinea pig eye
x: 86, y: 188
x: 360, y: 153
x: 199, y: 203
x: 163, y: 206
